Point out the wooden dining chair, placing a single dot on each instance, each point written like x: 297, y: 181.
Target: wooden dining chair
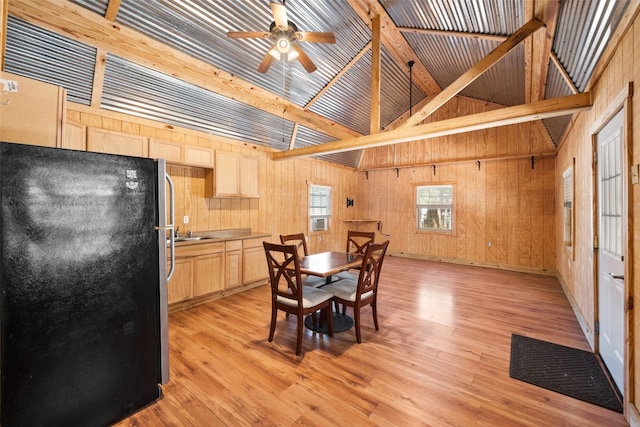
x: 300, y: 241
x: 287, y: 294
x: 357, y: 242
x: 364, y: 291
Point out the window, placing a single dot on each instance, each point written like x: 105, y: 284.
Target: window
x: 567, y: 207
x: 319, y: 207
x: 434, y: 207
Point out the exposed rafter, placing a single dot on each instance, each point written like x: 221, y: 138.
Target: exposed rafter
x: 501, y: 117
x: 112, y: 10
x: 376, y: 67
x: 459, y: 34
x: 538, y: 47
x: 473, y: 73
x: 395, y: 43
x: 70, y: 20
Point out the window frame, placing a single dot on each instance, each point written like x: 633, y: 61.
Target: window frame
x: 451, y: 206
x: 568, y: 212
x: 327, y: 207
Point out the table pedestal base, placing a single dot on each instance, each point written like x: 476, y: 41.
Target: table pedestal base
x: 341, y: 323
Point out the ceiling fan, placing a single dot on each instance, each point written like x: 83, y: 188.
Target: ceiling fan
x: 286, y: 36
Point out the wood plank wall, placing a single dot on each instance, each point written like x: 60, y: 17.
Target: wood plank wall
x: 577, y: 275
x: 282, y: 206
x: 504, y: 209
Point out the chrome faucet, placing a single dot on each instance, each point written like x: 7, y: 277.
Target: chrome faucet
x: 177, y: 232
x: 189, y: 233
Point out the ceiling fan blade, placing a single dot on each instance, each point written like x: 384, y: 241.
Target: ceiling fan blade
x: 315, y: 37
x: 248, y: 35
x: 306, y: 62
x: 279, y: 12
x: 266, y: 61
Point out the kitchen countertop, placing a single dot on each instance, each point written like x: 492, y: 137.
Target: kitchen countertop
x: 222, y: 236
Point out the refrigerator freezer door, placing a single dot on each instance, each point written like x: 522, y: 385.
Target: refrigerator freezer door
x: 79, y: 277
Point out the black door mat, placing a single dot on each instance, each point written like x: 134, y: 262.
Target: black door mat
x: 569, y: 371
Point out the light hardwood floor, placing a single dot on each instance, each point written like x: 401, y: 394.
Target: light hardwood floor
x: 440, y: 358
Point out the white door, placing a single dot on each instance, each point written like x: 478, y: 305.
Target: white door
x: 611, y: 246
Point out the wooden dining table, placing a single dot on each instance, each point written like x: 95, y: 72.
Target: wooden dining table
x: 326, y: 264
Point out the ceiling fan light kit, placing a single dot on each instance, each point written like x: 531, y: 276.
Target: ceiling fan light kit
x: 286, y: 37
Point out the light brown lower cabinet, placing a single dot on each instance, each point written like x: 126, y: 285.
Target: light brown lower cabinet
x: 208, y: 269
x: 179, y: 287
x: 208, y: 274
x: 233, y: 263
x: 253, y: 261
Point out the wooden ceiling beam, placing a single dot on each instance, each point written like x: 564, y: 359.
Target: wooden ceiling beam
x: 473, y: 73
x: 69, y: 20
x: 376, y: 68
x: 457, y: 34
x: 112, y: 10
x: 396, y: 44
x: 539, y: 48
x: 4, y: 9
x: 488, y: 119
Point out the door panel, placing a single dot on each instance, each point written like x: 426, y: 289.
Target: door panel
x: 612, y: 225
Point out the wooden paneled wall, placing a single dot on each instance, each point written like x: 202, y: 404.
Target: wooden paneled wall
x: 282, y: 206
x: 577, y: 271
x: 504, y: 207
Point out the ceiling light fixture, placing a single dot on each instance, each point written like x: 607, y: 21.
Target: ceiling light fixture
x: 293, y: 54
x: 283, y: 45
x: 274, y: 52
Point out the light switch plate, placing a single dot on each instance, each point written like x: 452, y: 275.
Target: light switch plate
x: 185, y: 220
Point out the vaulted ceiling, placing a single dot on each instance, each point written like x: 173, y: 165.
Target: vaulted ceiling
x: 394, y: 60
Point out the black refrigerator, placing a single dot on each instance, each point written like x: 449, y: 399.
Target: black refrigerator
x: 83, y: 286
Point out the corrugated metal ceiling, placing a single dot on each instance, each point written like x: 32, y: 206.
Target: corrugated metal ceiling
x: 199, y: 27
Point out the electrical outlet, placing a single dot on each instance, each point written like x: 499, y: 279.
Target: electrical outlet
x: 185, y: 220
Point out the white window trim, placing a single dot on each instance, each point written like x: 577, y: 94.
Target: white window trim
x: 418, y: 206
x: 316, y: 218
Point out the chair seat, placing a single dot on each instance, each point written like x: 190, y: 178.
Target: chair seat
x: 345, y: 289
x: 310, y: 297
x: 347, y: 275
x: 314, y: 281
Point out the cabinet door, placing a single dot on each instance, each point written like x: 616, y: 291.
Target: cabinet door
x: 227, y: 174
x: 179, y: 287
x: 74, y: 136
x: 233, y: 264
x: 198, y: 156
x: 105, y: 141
x: 35, y: 112
x: 170, y: 151
x: 254, y: 265
x: 209, y: 274
x: 249, y: 177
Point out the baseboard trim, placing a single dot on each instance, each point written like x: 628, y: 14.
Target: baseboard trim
x: 497, y: 266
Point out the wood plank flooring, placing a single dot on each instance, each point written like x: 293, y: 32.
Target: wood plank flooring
x: 440, y: 358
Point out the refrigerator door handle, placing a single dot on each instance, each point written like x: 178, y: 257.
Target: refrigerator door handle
x: 172, y: 238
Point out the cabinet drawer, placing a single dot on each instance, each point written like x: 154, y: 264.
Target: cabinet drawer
x: 199, y: 249
x: 233, y: 245
x: 254, y: 243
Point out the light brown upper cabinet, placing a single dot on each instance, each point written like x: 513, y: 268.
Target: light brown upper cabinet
x: 74, y: 136
x: 106, y: 141
x: 178, y: 153
x: 33, y: 113
x: 233, y: 176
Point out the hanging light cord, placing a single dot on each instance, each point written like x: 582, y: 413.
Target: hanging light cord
x: 283, y: 104
x: 411, y: 86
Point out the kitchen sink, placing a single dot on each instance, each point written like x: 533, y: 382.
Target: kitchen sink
x: 186, y: 239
